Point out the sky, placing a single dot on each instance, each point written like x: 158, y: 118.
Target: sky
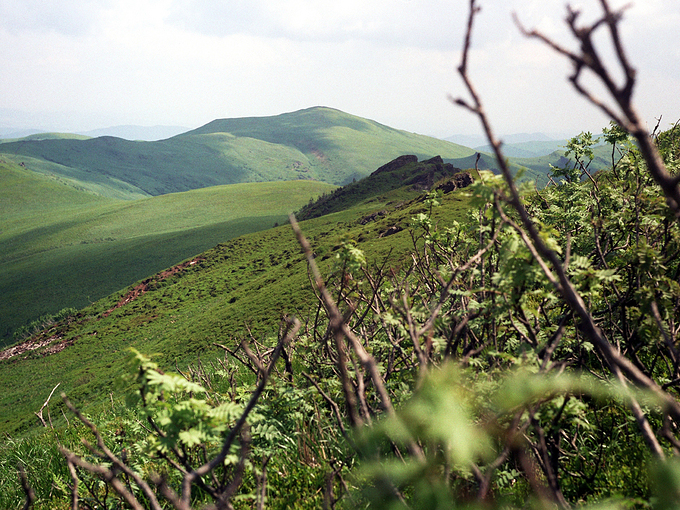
x: 71, y: 65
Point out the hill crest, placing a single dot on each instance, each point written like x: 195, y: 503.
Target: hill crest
x: 402, y: 172
x: 318, y: 143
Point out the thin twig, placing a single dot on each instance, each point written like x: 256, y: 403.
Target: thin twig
x: 39, y: 414
x: 28, y: 490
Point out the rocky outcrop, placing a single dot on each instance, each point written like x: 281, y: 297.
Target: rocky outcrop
x: 433, y: 170
x: 390, y: 231
x: 396, y: 164
x: 372, y: 217
x: 457, y: 181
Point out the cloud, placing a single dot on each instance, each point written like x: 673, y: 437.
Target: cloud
x: 62, y: 16
x: 396, y: 22
x: 186, y: 62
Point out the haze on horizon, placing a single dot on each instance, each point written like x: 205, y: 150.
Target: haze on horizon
x: 80, y: 66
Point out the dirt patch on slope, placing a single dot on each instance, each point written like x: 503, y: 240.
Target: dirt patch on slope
x: 143, y: 287
x: 55, y: 343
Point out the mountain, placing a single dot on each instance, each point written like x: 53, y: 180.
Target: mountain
x: 146, y: 133
x: 528, y: 149
x: 467, y: 140
x: 520, y: 145
x: 128, y: 132
x: 318, y: 143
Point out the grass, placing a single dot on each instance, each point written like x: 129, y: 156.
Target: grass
x: 249, y: 281
x: 61, y: 247
x: 75, y: 178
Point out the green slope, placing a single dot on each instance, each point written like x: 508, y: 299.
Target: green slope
x: 251, y: 280
x: 404, y: 172
x: 77, y: 178
x: 318, y: 143
x: 61, y: 247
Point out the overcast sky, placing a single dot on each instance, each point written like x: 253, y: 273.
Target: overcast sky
x: 72, y: 65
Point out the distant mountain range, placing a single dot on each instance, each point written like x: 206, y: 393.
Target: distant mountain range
x: 155, y: 133
x: 317, y: 143
x: 144, y: 133
x: 519, y: 145
x: 479, y: 140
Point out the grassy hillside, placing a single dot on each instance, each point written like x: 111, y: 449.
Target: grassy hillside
x: 63, y: 247
x: 249, y: 281
x: 404, y: 172
x: 341, y: 145
x: 318, y: 143
x: 78, y: 179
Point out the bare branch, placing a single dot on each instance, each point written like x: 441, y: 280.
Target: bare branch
x: 190, y: 478
x: 39, y: 414
x: 560, y: 280
x: 28, y: 490
x: 627, y: 117
x: 341, y: 330
x: 641, y: 419
x: 108, y: 475
x: 74, y: 489
x: 331, y: 402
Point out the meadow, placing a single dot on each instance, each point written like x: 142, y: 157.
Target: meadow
x: 246, y: 284
x: 65, y: 247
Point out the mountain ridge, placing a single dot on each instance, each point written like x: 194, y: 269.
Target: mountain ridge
x: 317, y: 143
